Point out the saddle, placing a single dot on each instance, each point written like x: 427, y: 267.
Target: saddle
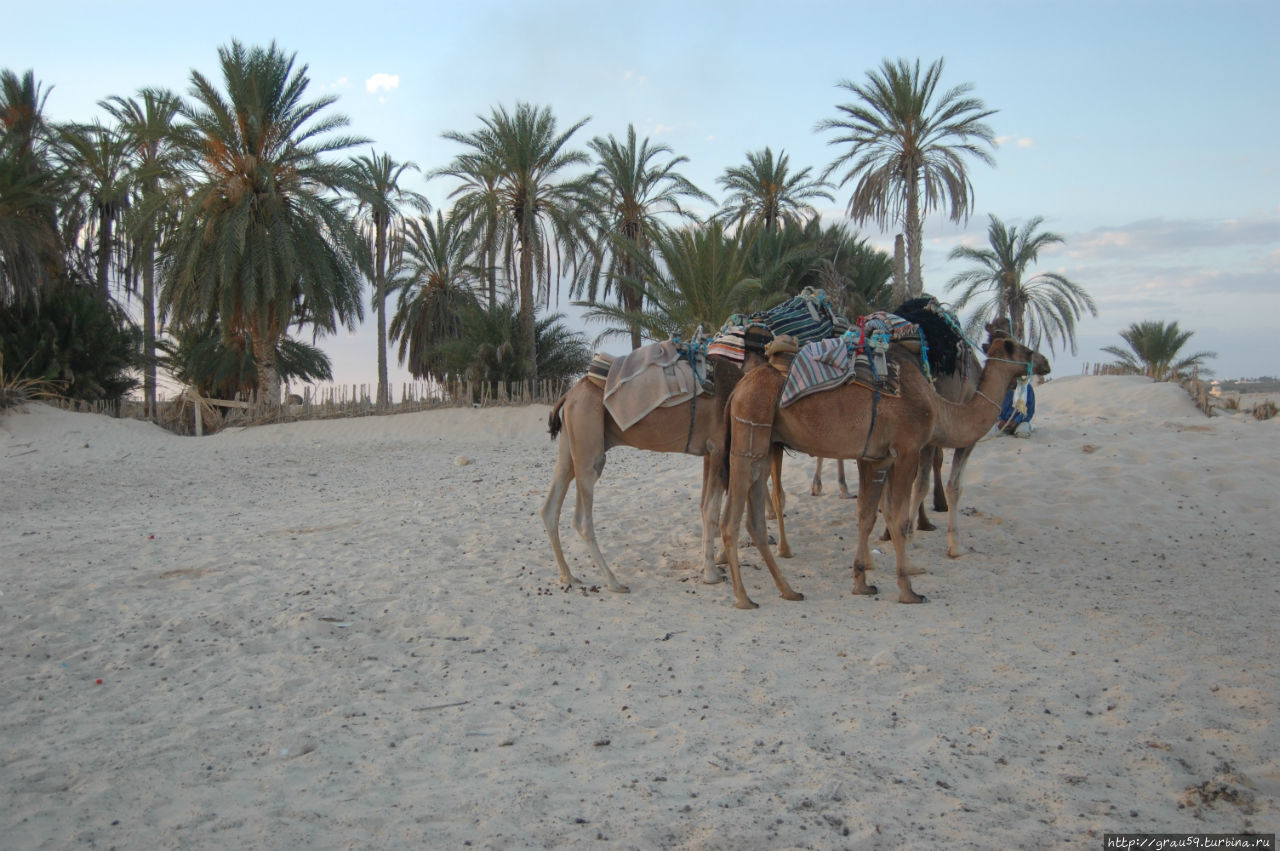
x: 659, y: 375
x: 827, y: 364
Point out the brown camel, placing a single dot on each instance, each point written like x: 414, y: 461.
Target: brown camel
x: 589, y: 432
x: 956, y: 386
x: 886, y: 435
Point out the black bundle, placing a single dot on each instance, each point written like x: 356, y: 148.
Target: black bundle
x: 941, y: 332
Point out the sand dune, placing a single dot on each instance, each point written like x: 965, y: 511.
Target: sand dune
x: 347, y: 634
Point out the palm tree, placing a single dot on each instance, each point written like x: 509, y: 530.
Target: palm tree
x: 695, y: 276
x: 764, y: 193
x: 478, y: 200
x: 153, y: 138
x: 632, y: 190
x: 542, y: 212
x: 489, y: 350
x: 30, y: 247
x: 263, y: 241
x: 905, y: 148
x: 382, y: 201
x: 436, y: 286
x: 1155, y: 350
x: 95, y: 159
x: 1042, y: 305
x: 224, y: 369
x: 857, y: 277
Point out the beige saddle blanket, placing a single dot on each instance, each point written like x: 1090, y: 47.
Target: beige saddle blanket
x: 650, y: 377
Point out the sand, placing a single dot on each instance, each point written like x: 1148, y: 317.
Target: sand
x: 348, y: 634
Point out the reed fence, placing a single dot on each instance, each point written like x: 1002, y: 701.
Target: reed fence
x: 189, y: 413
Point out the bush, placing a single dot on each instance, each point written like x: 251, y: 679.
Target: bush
x: 74, y: 342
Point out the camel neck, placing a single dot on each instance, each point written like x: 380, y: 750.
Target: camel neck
x: 963, y: 424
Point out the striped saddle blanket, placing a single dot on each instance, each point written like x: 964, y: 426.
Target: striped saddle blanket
x: 827, y: 364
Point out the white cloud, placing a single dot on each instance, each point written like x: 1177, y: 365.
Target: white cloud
x: 382, y: 82
x: 1019, y: 141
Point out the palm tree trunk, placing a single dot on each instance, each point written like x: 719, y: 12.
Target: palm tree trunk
x: 149, y: 334
x: 264, y: 355
x: 899, y: 270
x: 632, y: 296
x: 527, y: 331
x: 380, y: 289
x: 104, y: 249
x: 491, y: 258
x: 915, y: 239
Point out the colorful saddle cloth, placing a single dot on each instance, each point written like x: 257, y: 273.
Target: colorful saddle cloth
x: 808, y: 316
x: 827, y: 364
x: 652, y: 376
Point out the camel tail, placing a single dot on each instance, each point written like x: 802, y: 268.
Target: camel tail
x: 553, y: 421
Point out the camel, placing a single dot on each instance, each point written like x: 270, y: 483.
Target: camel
x: 958, y: 386
x: 885, y: 434
x: 694, y: 427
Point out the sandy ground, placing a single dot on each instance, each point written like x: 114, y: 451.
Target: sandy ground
x: 348, y: 634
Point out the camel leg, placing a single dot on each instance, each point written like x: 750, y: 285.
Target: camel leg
x: 759, y: 532
x: 958, y: 461
x: 815, y: 487
x: 841, y: 480
x: 586, y: 455
x: 554, y: 502
x: 898, y: 511
x: 779, y: 501
x: 740, y: 473
x: 712, y: 503
x: 916, y: 503
x: 584, y: 521
x: 871, y: 477
x: 927, y: 458
x: 939, y: 489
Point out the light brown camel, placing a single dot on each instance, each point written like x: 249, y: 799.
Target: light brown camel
x: 955, y: 386
x: 589, y: 432
x: 884, y: 433
x: 958, y: 386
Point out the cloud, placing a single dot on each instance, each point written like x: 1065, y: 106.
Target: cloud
x: 338, y: 85
x: 633, y: 77
x: 382, y: 82
x: 1159, y: 236
x: 1017, y: 141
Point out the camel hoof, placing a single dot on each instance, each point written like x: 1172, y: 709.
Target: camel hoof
x: 915, y: 571
x: 867, y: 591
x: 712, y: 577
x: 794, y: 595
x: 784, y: 552
x: 847, y: 495
x: 926, y: 526
x: 939, y: 508
x: 619, y: 589
x: 745, y: 604
x: 816, y: 490
x: 914, y: 598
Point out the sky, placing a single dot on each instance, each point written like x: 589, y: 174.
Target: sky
x: 1146, y: 134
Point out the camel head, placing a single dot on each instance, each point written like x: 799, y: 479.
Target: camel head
x: 999, y: 328
x: 1006, y: 348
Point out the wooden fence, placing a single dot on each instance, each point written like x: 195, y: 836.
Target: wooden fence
x: 188, y: 413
